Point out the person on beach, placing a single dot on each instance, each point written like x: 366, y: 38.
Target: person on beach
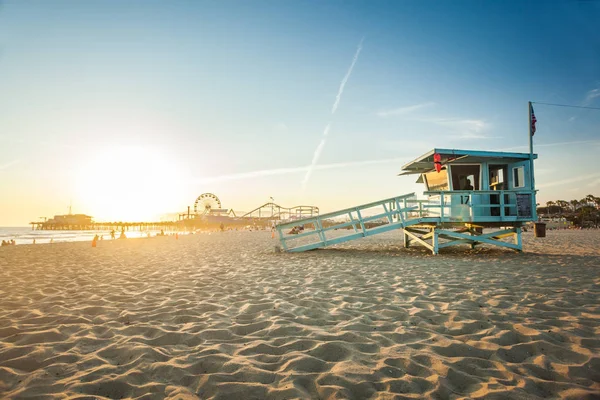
x: 112, y: 234
x: 295, y: 230
x: 123, y: 235
x: 4, y: 243
x: 468, y: 185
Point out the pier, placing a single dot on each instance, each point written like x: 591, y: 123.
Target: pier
x: 208, y: 213
x: 103, y: 226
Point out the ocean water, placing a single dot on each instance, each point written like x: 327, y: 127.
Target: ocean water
x: 25, y: 235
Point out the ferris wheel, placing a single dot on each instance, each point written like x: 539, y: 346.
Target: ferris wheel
x: 205, y: 203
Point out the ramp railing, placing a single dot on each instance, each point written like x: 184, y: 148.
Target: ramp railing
x: 352, y: 223
x: 482, y: 205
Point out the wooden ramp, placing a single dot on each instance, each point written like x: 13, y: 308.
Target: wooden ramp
x: 419, y: 223
x: 352, y: 223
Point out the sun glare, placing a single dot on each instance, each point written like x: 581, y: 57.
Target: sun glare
x: 128, y: 184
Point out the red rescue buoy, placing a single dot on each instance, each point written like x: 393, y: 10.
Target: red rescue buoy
x: 437, y: 162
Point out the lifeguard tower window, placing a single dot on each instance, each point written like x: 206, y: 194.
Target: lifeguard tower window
x: 497, y: 173
x: 519, y: 177
x: 437, y: 181
x: 465, y: 177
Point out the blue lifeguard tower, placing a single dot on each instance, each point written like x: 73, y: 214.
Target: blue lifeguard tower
x: 466, y: 191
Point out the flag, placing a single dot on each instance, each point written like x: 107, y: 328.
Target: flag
x: 533, y: 120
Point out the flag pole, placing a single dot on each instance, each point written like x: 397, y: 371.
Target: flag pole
x: 534, y: 204
x: 530, y: 133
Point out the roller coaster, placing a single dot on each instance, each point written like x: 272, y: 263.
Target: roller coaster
x: 208, y: 206
x: 272, y: 211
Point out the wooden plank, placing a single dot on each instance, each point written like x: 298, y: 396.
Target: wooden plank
x: 418, y: 240
x: 415, y: 230
x: 301, y: 235
x: 382, y: 228
x: 481, y: 239
x: 454, y: 242
x: 330, y: 242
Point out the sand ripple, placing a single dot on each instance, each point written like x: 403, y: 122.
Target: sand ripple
x: 224, y: 316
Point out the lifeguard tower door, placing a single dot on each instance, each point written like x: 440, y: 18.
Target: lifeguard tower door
x: 498, y: 181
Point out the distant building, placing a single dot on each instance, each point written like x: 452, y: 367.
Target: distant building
x: 70, y: 219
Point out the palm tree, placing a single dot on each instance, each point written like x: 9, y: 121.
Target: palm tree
x: 590, y: 199
x: 562, y: 204
x: 574, y: 203
x: 548, y: 205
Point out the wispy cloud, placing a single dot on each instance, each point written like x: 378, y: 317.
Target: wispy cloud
x: 42, y: 143
x: 591, y: 96
x: 338, y: 97
x: 463, y: 128
x: 594, y: 183
x: 404, y: 110
x: 474, y: 135
x: 589, y: 142
x: 280, y: 127
x: 569, y: 180
x: 470, y: 125
x: 9, y: 164
x: 252, y: 174
x: 294, y: 170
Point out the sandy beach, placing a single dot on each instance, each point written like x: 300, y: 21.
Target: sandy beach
x: 225, y: 316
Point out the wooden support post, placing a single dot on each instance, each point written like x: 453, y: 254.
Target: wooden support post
x: 352, y: 220
x: 518, y: 239
x: 435, y: 241
x: 319, y: 227
x: 281, y: 239
x: 398, y: 208
x: 389, y: 214
x: 362, y: 224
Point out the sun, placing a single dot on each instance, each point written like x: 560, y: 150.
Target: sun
x: 130, y: 183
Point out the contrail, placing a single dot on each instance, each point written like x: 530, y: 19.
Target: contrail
x: 321, y: 145
x: 316, y: 155
x: 293, y: 170
x: 339, y: 95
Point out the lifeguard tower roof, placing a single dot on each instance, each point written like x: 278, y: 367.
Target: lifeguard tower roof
x: 425, y: 163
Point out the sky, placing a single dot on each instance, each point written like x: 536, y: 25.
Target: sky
x: 127, y: 110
